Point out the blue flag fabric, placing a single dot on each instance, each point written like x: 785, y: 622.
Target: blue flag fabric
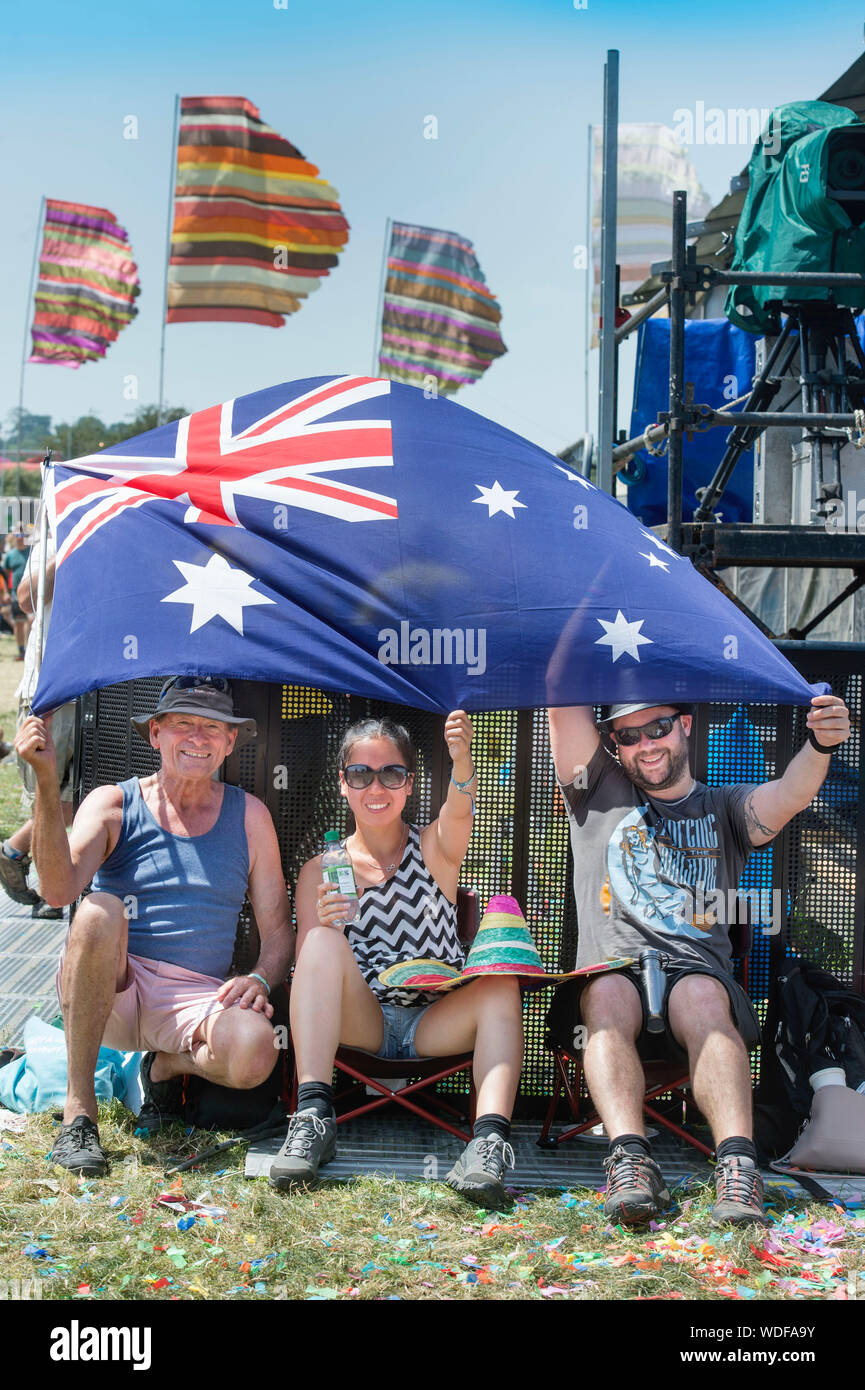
x: 351, y: 534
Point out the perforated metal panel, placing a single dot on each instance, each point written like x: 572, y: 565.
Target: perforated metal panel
x: 807, y: 889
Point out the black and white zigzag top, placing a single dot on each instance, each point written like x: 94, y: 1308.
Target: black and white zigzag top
x: 407, y: 917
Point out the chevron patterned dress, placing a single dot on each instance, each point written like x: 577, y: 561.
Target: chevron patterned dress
x: 407, y: 917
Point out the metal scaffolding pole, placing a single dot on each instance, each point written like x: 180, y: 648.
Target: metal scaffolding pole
x: 677, y: 372
x: 607, y: 355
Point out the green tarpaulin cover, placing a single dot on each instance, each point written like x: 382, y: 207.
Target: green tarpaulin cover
x: 789, y: 222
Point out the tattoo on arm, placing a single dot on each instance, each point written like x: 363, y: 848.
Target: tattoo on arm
x: 752, y: 820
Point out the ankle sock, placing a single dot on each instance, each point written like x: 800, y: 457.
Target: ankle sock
x: 492, y: 1126
x: 737, y: 1146
x: 636, y: 1144
x: 12, y: 853
x: 317, y: 1096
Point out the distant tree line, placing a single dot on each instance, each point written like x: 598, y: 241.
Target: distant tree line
x: 86, y: 435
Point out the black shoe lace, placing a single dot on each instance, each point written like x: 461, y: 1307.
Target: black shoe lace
x: 626, y: 1170
x: 739, y: 1183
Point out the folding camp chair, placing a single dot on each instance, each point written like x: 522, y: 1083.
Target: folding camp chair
x: 663, y: 1077
x: 369, y: 1071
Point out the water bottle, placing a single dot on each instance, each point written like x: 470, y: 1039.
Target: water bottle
x: 654, y: 983
x: 336, y: 868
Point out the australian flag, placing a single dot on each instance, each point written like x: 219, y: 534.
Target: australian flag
x: 351, y: 534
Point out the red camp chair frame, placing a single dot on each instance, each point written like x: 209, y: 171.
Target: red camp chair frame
x: 662, y: 1078
x: 366, y: 1069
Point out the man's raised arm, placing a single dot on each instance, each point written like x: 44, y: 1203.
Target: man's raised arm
x: 65, y: 863
x: 770, y: 807
x: 574, y: 740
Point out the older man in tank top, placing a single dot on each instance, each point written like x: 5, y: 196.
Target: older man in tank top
x: 171, y: 858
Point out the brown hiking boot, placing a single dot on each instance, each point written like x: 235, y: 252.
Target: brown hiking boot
x: 636, y: 1190
x: 739, y: 1193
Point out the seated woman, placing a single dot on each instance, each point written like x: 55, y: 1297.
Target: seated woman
x: 407, y: 884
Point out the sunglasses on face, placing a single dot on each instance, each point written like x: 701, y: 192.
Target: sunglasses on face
x: 219, y: 683
x: 358, y: 775
x: 658, y: 728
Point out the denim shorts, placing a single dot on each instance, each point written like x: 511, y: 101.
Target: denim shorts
x: 400, y: 1025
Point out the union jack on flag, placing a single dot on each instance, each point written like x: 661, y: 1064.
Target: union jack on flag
x: 485, y: 576
x: 213, y: 464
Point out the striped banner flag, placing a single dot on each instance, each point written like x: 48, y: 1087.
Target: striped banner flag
x: 86, y: 287
x: 652, y: 164
x: 255, y: 228
x: 438, y: 319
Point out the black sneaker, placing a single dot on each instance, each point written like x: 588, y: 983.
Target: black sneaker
x: 310, y: 1142
x: 13, y: 877
x: 739, y: 1193
x: 477, y: 1173
x: 77, y: 1148
x: 45, y: 911
x: 162, y: 1102
x: 636, y: 1190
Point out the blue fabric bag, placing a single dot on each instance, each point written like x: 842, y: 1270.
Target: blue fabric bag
x: 37, y: 1081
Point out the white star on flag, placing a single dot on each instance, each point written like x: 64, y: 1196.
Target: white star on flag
x: 215, y: 590
x: 622, y: 636
x: 569, y: 474
x: 497, y: 498
x: 654, y: 562
x: 662, y: 545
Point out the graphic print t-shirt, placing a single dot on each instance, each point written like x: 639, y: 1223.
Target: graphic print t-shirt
x: 654, y: 873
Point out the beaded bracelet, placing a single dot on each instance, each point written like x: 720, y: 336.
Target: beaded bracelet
x: 461, y: 786
x: 253, y: 975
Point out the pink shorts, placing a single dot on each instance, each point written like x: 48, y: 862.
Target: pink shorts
x: 160, y: 1008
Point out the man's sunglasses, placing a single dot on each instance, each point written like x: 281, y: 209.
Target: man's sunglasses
x: 219, y: 683
x: 658, y: 728
x: 359, y: 775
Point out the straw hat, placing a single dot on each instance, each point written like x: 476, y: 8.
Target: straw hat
x: 503, y: 946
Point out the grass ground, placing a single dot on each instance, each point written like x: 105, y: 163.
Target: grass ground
x: 137, y: 1234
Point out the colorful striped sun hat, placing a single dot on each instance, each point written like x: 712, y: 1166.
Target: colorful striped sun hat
x: 503, y: 946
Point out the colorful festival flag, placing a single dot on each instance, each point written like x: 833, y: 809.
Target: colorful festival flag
x: 353, y: 535
x: 439, y: 319
x: 652, y: 164
x: 255, y: 228
x: 86, y: 287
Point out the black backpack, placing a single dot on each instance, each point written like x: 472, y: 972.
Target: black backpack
x: 814, y: 1021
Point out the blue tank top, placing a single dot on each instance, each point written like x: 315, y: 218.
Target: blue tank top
x: 185, y: 891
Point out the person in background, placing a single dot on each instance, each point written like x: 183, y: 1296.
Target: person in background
x: 15, y: 851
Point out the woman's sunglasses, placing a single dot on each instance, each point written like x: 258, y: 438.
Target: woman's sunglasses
x: 358, y: 775
x: 658, y: 728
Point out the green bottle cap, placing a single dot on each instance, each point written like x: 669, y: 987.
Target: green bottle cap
x: 331, y: 836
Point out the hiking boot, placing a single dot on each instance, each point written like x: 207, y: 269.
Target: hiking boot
x: 477, y: 1173
x: 162, y: 1102
x: 636, y: 1190
x: 310, y: 1142
x: 77, y: 1148
x: 45, y: 911
x: 739, y: 1193
x: 13, y: 877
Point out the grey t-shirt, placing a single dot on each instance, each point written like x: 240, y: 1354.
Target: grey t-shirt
x: 649, y: 873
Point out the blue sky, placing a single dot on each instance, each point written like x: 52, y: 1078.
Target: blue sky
x: 513, y: 86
